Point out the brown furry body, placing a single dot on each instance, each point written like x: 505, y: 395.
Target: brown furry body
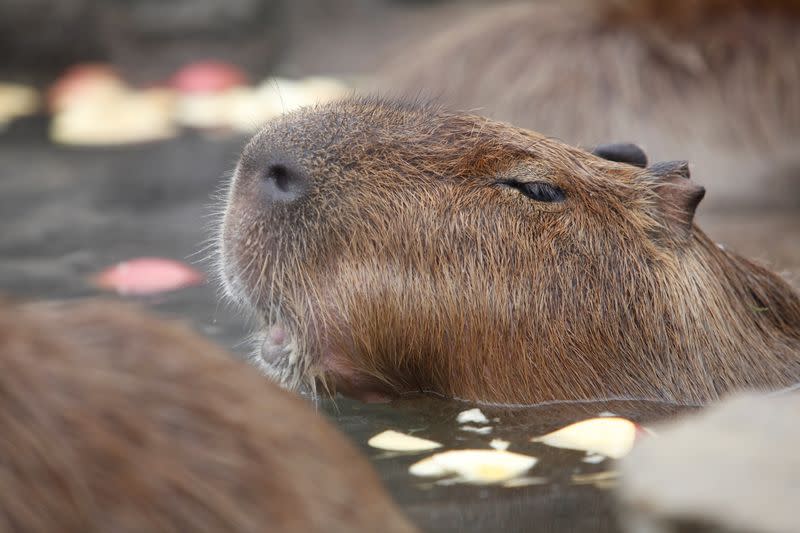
x: 405, y: 266
x: 716, y: 82
x: 114, y: 421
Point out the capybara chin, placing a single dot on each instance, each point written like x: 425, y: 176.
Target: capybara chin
x: 392, y: 247
x: 116, y: 422
x: 713, y: 81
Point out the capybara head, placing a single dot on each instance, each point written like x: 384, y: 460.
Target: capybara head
x: 113, y: 421
x: 392, y: 247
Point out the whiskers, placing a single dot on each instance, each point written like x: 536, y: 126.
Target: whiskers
x: 251, y: 279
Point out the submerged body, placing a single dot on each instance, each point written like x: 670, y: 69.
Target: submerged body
x: 716, y: 82
x: 391, y: 247
x: 115, y: 421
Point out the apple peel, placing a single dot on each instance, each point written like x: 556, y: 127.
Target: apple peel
x: 84, y: 83
x: 208, y: 77
x: 147, y: 275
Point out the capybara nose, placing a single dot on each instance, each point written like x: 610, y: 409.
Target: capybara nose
x: 284, y: 182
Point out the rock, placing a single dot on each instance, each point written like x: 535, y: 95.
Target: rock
x: 734, y: 467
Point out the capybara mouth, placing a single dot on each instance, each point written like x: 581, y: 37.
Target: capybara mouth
x: 392, y: 247
x: 279, y: 357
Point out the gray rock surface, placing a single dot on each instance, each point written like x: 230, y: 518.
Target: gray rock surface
x: 734, y: 467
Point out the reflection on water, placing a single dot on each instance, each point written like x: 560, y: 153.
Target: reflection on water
x: 66, y: 213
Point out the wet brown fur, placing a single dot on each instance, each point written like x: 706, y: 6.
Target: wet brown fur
x: 113, y: 421
x: 713, y: 81
x: 407, y: 269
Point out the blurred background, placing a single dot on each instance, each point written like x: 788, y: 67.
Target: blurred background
x: 120, y: 121
x: 149, y: 39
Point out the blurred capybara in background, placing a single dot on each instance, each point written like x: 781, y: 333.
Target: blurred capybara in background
x: 114, y: 421
x: 716, y: 82
x: 391, y: 247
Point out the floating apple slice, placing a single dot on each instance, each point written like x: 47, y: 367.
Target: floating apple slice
x: 202, y: 111
x: 147, y: 275
x: 83, y: 83
x: 499, y: 444
x: 478, y: 467
x: 395, y: 441
x: 609, y: 436
x: 207, y: 77
x: 246, y: 109
x: 474, y: 416
x: 206, y: 90
x: 124, y: 118
x: 17, y: 101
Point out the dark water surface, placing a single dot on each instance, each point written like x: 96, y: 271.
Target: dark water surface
x: 66, y: 213
x: 560, y: 501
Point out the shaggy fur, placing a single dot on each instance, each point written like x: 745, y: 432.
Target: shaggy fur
x: 406, y: 267
x: 116, y: 422
x: 713, y: 81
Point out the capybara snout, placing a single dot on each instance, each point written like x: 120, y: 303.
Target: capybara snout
x: 283, y: 182
x: 440, y: 251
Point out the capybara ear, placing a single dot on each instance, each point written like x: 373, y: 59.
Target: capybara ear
x: 622, y: 153
x: 678, y: 196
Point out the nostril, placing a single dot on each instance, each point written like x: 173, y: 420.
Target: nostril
x: 279, y: 174
x: 284, y: 183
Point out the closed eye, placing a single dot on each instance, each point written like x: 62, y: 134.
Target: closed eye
x: 536, y: 190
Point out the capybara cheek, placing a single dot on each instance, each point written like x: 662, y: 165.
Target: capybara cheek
x: 345, y: 376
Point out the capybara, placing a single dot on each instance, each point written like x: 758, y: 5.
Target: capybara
x: 115, y: 421
x: 391, y: 247
x: 716, y: 82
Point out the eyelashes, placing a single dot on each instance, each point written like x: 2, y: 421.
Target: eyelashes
x: 539, y: 191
